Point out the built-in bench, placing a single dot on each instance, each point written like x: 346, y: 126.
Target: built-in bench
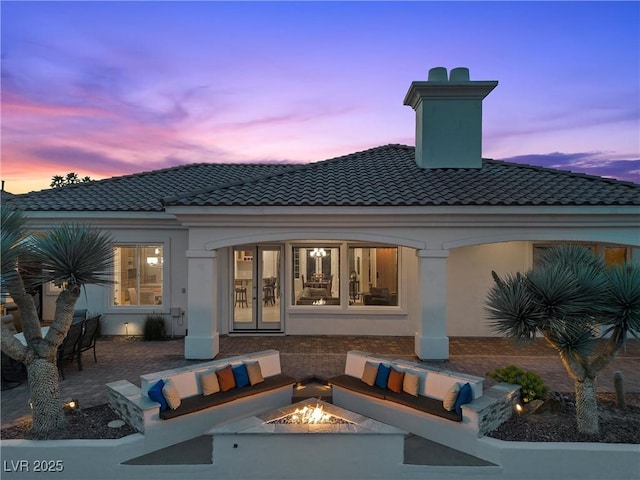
x: 197, y: 413
x: 424, y: 414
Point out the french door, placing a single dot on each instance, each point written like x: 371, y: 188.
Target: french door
x: 255, y: 294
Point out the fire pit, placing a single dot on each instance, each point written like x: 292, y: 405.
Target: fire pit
x: 311, y: 436
x: 310, y: 415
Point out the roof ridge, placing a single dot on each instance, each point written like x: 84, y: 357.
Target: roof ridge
x: 563, y: 171
x: 301, y: 166
x: 251, y: 179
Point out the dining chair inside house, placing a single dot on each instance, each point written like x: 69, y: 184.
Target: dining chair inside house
x: 133, y: 297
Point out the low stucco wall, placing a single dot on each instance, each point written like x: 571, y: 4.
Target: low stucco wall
x: 101, y: 459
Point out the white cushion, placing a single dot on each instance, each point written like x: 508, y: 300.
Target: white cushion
x: 437, y: 385
x: 186, y: 384
x: 171, y: 394
x: 355, y: 364
x: 449, y: 400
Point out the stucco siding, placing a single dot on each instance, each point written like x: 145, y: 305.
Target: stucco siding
x: 469, y: 279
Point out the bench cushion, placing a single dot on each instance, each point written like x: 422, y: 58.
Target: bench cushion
x: 357, y: 385
x: 200, y: 402
x: 421, y: 403
x: 424, y: 404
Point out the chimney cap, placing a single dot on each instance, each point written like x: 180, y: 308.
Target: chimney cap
x: 437, y: 74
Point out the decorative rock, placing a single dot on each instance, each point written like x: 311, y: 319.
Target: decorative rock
x: 534, y: 406
x: 115, y: 424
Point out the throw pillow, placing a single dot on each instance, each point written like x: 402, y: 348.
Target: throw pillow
x: 464, y: 396
x: 255, y: 373
x: 396, y: 379
x: 383, y: 375
x: 449, y: 400
x: 226, y: 378
x: 369, y: 373
x: 411, y: 383
x: 155, y: 394
x: 240, y: 375
x: 209, y: 382
x: 171, y: 394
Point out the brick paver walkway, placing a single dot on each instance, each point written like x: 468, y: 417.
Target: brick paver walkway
x: 304, y: 356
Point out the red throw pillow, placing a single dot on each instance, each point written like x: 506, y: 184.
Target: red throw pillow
x: 396, y: 379
x: 226, y: 379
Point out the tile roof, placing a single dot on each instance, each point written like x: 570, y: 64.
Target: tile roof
x: 389, y: 175
x: 381, y: 176
x: 141, y: 191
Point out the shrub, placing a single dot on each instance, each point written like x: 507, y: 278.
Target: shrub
x: 531, y: 383
x: 154, y: 327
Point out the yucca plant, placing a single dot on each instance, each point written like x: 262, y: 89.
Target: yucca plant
x: 583, y: 308
x: 70, y: 256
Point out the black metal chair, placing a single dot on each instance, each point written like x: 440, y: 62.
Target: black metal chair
x: 68, y: 350
x: 88, y: 339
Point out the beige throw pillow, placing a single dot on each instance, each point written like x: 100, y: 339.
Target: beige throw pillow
x: 171, y: 394
x: 411, y: 383
x: 449, y: 400
x: 255, y: 373
x: 369, y: 373
x: 209, y: 382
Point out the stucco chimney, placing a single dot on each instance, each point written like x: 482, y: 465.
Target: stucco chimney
x: 448, y: 118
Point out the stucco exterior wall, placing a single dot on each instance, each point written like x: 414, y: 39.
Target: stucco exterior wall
x: 469, y: 279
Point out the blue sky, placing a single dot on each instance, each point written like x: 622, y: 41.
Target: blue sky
x: 111, y: 88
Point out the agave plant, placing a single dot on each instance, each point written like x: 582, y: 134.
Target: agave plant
x: 69, y: 255
x: 583, y: 308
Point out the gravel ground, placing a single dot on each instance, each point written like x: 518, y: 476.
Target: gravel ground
x: 559, y: 425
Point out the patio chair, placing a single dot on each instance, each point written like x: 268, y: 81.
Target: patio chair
x: 68, y: 350
x: 88, y: 339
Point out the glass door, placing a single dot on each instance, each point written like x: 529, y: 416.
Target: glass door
x: 256, y: 288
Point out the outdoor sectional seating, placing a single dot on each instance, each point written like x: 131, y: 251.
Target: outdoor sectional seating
x: 421, y: 412
x: 194, y: 412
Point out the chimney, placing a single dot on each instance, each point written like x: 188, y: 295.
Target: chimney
x: 448, y: 118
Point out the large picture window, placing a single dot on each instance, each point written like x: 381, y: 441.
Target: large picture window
x: 316, y: 275
x: 373, y: 276
x: 137, y: 275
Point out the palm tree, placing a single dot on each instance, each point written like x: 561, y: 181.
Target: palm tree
x: 70, y: 256
x: 583, y: 308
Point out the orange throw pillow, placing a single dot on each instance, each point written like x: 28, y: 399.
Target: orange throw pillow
x: 226, y: 379
x: 396, y: 379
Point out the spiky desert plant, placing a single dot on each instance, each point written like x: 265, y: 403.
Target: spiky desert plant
x: 583, y: 308
x: 70, y: 256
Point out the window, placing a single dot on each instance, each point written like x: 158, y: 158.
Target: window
x: 138, y: 275
x: 316, y: 275
x: 373, y: 276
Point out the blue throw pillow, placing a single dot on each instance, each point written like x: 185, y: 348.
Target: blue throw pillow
x: 383, y: 375
x: 464, y: 396
x: 241, y: 375
x: 155, y: 394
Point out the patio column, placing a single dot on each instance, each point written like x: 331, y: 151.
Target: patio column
x: 431, y: 341
x: 202, y: 342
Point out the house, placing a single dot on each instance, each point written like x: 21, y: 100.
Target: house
x: 394, y: 240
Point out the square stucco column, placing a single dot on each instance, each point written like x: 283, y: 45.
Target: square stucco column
x: 431, y: 341
x: 202, y: 341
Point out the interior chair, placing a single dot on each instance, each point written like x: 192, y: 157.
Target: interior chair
x: 88, y: 339
x: 133, y: 297
x: 68, y: 350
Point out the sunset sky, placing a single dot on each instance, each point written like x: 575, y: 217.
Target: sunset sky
x: 111, y: 88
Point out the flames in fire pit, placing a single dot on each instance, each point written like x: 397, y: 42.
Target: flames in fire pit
x: 310, y: 415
